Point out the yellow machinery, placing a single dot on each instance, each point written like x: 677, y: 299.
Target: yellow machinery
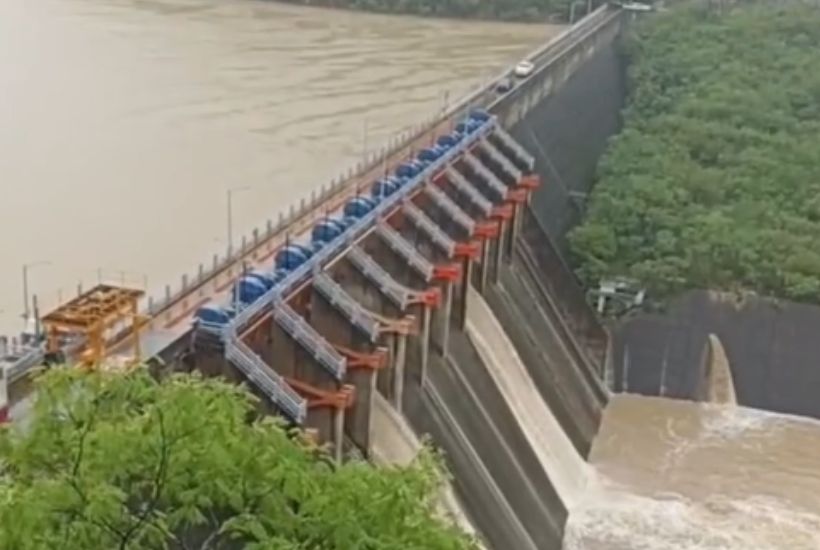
x: 93, y: 318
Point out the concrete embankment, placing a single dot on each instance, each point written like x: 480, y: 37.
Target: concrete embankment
x: 558, y: 457
x: 499, y: 478
x: 574, y: 395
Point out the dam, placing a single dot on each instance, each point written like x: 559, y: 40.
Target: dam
x: 372, y: 313
x: 425, y: 293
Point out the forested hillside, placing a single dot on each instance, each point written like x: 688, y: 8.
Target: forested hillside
x: 512, y: 10
x: 715, y: 180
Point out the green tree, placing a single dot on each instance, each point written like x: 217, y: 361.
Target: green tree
x: 511, y: 10
x: 713, y: 181
x: 112, y: 461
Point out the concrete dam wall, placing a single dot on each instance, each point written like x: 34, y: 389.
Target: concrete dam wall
x: 516, y: 409
x: 451, y: 314
x: 506, y: 376
x: 770, y: 347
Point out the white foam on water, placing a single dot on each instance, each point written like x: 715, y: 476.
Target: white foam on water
x: 731, y: 422
x: 564, y: 466
x: 613, y: 519
x: 721, y: 423
x: 697, y: 476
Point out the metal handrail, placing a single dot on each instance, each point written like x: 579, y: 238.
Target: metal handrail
x: 492, y: 181
x: 346, y: 305
x: 506, y: 164
x: 373, y: 272
x: 510, y: 143
x: 407, y: 251
x: 266, y: 379
x: 542, y: 55
x: 355, y: 231
x: 427, y: 226
x: 313, y: 342
x: 470, y: 192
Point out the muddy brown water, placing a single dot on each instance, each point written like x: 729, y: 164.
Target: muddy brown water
x: 123, y: 123
x: 690, y: 476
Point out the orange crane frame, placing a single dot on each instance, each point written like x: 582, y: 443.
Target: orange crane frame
x: 89, y: 316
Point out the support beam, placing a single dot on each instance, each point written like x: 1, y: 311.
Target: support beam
x: 499, y: 188
x: 451, y: 209
x: 312, y: 342
x: 405, y: 299
x: 522, y: 156
x: 469, y: 192
x: 499, y: 247
x: 398, y: 371
x: 511, y: 171
x: 425, y: 344
x: 446, y: 314
x: 485, y: 266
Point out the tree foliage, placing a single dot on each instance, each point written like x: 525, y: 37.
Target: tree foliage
x: 510, y: 10
x: 715, y: 180
x: 111, y: 461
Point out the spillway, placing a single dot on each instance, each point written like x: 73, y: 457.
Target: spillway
x: 547, y: 347
x: 560, y: 460
x: 395, y: 443
x: 420, y: 303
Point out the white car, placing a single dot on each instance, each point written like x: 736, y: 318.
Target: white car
x: 636, y: 6
x: 524, y: 69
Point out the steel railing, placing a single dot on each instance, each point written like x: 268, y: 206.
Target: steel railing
x: 501, y: 159
x: 510, y: 143
x: 294, y: 323
x: 401, y: 246
x: 313, y: 342
x: 430, y: 228
x: 496, y: 185
x: 266, y: 380
x: 373, y: 272
x: 450, y: 208
x: 468, y: 191
x: 346, y: 305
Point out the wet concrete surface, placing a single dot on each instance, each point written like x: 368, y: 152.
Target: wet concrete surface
x: 488, y: 426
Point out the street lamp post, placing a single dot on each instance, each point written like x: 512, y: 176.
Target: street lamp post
x: 364, y: 141
x: 230, y: 193
x: 26, y: 267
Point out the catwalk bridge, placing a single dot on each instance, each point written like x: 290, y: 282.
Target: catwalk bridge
x: 351, y: 315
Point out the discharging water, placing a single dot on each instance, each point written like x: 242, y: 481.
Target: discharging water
x: 123, y: 123
x: 562, y: 463
x: 677, y: 475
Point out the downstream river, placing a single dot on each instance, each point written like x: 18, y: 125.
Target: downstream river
x: 677, y: 475
x: 123, y: 123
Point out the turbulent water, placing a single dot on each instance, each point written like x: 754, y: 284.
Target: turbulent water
x: 676, y: 475
x: 124, y: 122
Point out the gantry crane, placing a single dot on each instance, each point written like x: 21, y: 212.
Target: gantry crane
x: 92, y: 319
